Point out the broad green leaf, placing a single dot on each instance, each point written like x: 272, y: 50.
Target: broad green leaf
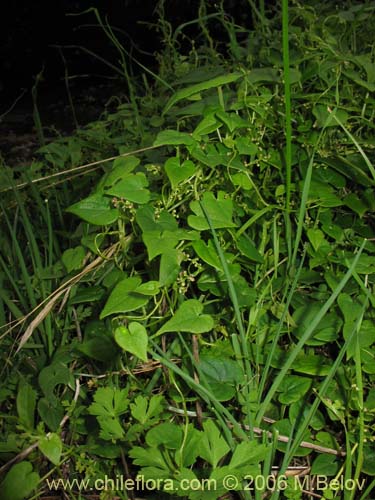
x: 326, y: 119
x: 247, y: 453
x: 122, y: 167
x: 326, y: 465
x: 149, y: 288
x: 83, y: 295
x: 124, y: 298
x: 293, y: 388
x: 169, y: 266
x: 19, y: 482
x: 144, y: 409
x: 356, y: 203
x: 26, y: 402
x: 178, y: 173
x: 173, y: 138
x: 219, y: 210
x: 99, y: 347
x: 206, y: 126
x: 146, y: 457
x: 166, y: 434
x: 212, y: 446
x: 245, y: 146
x: 284, y: 427
x: 51, y: 412
x: 189, y: 318
x: 110, y: 428
x: 109, y: 402
x: 132, y: 187
x: 200, y: 87
x: 51, y: 447
x: 316, y: 237
x: 222, y: 375
x: 263, y: 75
x: 133, y: 339
x: 247, y: 248
x: 207, y: 252
x: 53, y: 375
x: 147, y: 220
x: 312, y: 364
x: 232, y: 120
x: 158, y: 242
x: 73, y: 258
x: 326, y: 331
x: 95, y: 209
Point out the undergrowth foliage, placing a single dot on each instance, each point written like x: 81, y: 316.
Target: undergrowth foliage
x: 198, y: 304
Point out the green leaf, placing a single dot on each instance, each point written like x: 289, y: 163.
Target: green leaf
x: 247, y: 248
x: 147, y: 221
x: 99, y: 347
x: 169, y: 266
x: 145, y: 457
x: 354, y: 202
x: 232, y: 120
x: 189, y: 318
x: 326, y: 119
x: 51, y: 412
x: 199, y: 87
x: 206, y: 126
x: 124, y: 298
x: 248, y: 453
x: 326, y: 465
x: 166, y: 434
x: 316, y: 237
x: 133, y: 339
x: 53, y: 375
x: 109, y: 402
x: 147, y: 409
x: 212, y: 446
x: 158, y: 242
x: 95, y: 209
x: 178, y: 173
x: 51, y: 447
x: 73, y: 258
x: 173, y: 138
x: 208, y: 253
x: 26, y: 402
x: 132, y: 187
x: 110, y: 428
x: 245, y: 146
x: 122, y: 167
x: 219, y: 210
x: 19, y: 482
x: 293, y: 388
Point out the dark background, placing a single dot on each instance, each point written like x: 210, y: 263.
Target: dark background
x: 52, y: 39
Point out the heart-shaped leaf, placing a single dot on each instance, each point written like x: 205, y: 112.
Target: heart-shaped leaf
x: 19, y: 482
x: 133, y: 339
x: 178, y: 173
x: 132, y: 187
x: 51, y: 446
x: 189, y: 318
x: 125, y: 298
x: 219, y: 211
x: 95, y: 209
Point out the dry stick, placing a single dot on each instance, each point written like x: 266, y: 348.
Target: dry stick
x: 258, y: 430
x: 51, y: 299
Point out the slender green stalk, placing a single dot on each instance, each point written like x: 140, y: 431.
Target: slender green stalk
x: 239, y: 322
x: 308, y: 333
